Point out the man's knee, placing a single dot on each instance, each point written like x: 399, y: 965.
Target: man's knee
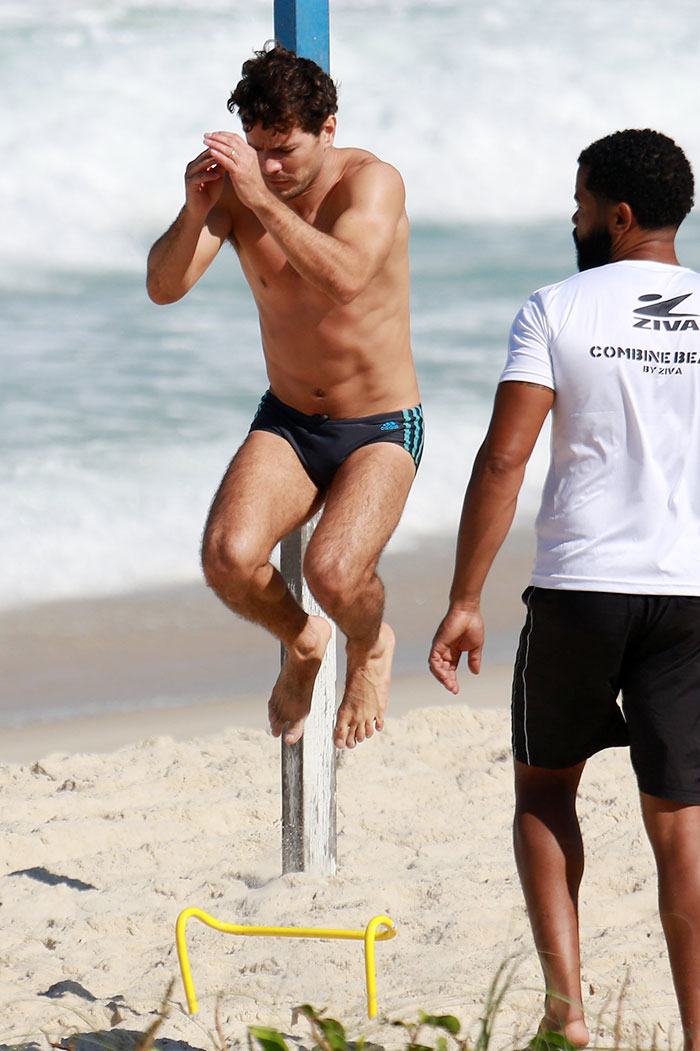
x: 335, y: 578
x: 229, y: 560
x: 673, y: 829
x: 540, y: 789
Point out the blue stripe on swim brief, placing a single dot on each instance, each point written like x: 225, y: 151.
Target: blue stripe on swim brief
x: 419, y: 434
x: 413, y: 432
x: 406, y: 413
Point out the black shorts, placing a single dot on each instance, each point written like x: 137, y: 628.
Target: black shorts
x: 580, y: 649
x: 322, y: 443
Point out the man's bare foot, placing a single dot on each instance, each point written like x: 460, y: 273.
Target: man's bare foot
x: 290, y: 702
x: 366, y: 690
x: 553, y: 1037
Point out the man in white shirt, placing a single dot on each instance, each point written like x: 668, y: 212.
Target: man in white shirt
x: 614, y: 602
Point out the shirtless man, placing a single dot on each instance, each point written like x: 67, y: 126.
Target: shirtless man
x: 322, y: 237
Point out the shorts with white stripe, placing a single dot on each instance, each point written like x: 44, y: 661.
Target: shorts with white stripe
x: 579, y: 651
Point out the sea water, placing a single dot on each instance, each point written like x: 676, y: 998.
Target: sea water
x: 117, y: 417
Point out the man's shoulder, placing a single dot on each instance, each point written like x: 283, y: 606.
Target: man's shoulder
x: 582, y: 279
x: 354, y: 157
x: 612, y: 275
x: 548, y: 304
x: 361, y: 166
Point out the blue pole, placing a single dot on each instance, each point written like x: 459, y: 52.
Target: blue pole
x: 308, y: 767
x: 302, y: 26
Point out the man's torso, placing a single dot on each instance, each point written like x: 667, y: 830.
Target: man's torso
x: 342, y: 360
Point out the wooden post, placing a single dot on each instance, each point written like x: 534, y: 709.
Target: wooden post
x: 308, y: 767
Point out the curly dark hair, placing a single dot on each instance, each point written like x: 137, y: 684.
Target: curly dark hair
x: 646, y: 170
x: 282, y: 90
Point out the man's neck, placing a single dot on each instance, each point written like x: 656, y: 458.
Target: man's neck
x: 657, y: 246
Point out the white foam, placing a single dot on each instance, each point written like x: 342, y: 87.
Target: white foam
x: 119, y: 521
x: 74, y: 528
x: 105, y: 102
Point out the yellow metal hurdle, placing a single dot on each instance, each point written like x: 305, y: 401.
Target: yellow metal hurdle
x: 369, y: 935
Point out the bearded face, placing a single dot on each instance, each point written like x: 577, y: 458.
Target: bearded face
x: 592, y: 249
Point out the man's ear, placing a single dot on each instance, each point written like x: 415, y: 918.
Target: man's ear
x: 328, y: 130
x: 622, y: 218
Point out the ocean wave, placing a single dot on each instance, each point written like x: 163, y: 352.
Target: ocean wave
x: 105, y: 102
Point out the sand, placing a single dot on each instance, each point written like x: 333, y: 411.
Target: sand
x: 115, y: 821
x: 102, y: 851
x: 179, y: 646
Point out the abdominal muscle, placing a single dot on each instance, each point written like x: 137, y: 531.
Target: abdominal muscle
x: 342, y: 365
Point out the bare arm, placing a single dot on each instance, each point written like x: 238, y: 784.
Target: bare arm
x: 519, y: 411
x: 342, y: 262
x: 179, y: 258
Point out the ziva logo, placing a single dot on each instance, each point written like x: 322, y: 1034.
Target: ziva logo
x: 659, y: 314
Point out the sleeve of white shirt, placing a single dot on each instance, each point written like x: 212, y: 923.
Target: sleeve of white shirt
x: 529, y: 359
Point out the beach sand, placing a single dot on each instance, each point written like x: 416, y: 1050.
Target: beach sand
x: 96, y: 674
x: 113, y: 823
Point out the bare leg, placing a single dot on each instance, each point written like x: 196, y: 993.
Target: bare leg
x: 674, y: 833
x: 549, y: 855
x: 362, y: 510
x: 265, y: 495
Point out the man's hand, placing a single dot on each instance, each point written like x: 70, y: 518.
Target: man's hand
x: 232, y: 153
x: 461, y: 631
x: 204, y: 181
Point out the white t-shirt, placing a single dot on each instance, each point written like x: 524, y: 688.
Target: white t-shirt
x: 620, y: 346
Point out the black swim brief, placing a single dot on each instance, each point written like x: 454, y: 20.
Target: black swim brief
x: 322, y: 443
